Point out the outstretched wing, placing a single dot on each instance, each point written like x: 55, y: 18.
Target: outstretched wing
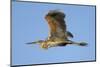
x: 70, y: 34
x: 56, y: 24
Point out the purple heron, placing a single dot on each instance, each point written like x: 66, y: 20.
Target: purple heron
x: 58, y: 34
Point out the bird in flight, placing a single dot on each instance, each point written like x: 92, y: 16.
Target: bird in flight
x: 58, y: 33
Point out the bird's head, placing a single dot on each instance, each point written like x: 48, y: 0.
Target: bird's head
x: 40, y: 41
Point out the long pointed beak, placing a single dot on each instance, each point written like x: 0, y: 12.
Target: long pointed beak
x: 31, y: 42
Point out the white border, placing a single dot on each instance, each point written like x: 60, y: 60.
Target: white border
x: 89, y: 2
x: 4, y: 33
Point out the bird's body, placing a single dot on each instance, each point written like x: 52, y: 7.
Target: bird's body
x: 58, y: 35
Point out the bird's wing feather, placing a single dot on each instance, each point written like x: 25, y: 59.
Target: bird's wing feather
x: 56, y: 24
x: 70, y: 34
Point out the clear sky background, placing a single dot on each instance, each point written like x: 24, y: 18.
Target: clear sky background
x: 28, y: 24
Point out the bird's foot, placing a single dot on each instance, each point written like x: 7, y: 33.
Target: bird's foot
x: 83, y: 43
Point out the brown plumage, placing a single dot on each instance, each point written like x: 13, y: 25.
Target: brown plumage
x: 56, y: 24
x: 58, y: 35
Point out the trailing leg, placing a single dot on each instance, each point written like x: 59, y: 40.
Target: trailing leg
x: 77, y: 43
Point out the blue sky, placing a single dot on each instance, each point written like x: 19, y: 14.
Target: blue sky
x: 28, y: 24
